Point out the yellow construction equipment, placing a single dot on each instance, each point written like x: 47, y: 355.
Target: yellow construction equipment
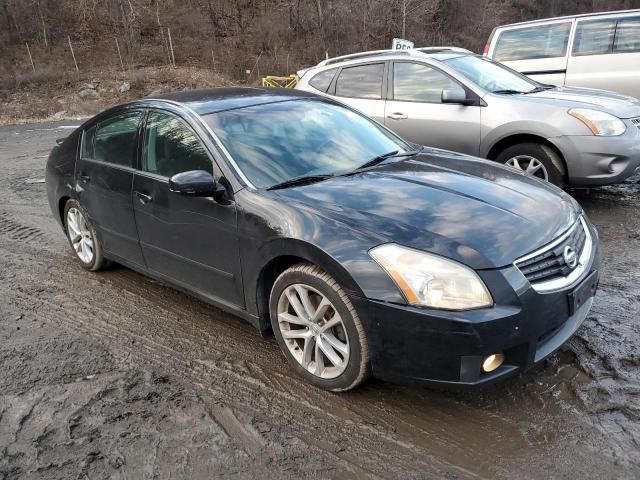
x: 283, y: 82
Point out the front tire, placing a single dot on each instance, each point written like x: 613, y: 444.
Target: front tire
x: 537, y: 160
x: 82, y: 237
x: 318, y: 329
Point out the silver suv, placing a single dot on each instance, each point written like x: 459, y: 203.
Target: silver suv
x: 452, y: 99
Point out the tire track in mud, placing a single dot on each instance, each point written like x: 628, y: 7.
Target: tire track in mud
x: 252, y: 399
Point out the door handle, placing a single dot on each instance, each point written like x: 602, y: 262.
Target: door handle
x: 85, y: 178
x: 144, y: 198
x: 397, y: 116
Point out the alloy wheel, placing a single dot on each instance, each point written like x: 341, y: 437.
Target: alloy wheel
x: 313, y: 331
x: 80, y: 235
x: 530, y: 166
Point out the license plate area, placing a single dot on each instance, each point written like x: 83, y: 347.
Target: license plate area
x: 583, y: 292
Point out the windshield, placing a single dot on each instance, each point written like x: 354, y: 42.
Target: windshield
x: 491, y: 75
x: 276, y: 142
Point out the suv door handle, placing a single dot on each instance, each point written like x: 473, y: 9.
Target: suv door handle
x: 144, y: 198
x: 397, y: 116
x: 85, y: 178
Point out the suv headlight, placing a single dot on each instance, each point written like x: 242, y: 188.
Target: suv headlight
x: 432, y: 281
x: 600, y: 123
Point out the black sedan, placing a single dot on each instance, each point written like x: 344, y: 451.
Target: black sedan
x: 362, y: 253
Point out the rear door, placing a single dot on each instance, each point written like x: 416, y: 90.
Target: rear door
x: 362, y: 86
x: 539, y: 51
x: 191, y: 241
x: 415, y: 110
x: 104, y: 176
x: 606, y: 54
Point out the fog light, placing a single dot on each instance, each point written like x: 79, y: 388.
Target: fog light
x: 492, y: 362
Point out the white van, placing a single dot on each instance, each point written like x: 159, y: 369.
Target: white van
x: 600, y: 50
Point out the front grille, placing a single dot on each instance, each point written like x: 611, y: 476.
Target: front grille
x: 551, y: 264
x: 636, y: 122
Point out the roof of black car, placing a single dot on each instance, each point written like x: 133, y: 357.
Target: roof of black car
x: 218, y: 99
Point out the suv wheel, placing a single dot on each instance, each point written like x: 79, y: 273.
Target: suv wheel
x: 318, y: 329
x: 535, y: 160
x: 82, y: 237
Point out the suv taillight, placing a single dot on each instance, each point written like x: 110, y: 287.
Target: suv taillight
x: 485, y: 52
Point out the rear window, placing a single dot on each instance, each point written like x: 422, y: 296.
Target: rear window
x: 363, y: 81
x: 594, y: 37
x: 115, y: 139
x: 540, y: 41
x: 322, y: 80
x: 627, y: 36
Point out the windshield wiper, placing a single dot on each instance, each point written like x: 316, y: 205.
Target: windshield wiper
x: 381, y: 158
x: 541, y: 88
x: 302, y: 180
x: 508, y: 92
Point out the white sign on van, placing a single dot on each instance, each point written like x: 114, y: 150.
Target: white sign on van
x: 401, y: 44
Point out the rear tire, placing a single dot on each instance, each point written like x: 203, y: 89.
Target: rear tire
x: 82, y: 237
x: 318, y: 329
x: 541, y: 160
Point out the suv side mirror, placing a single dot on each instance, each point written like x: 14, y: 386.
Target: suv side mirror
x: 196, y: 183
x: 455, y: 95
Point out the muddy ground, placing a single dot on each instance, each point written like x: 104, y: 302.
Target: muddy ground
x: 112, y: 375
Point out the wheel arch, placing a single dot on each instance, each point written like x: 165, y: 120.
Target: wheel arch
x: 286, y: 254
x: 511, y: 140
x: 62, y: 203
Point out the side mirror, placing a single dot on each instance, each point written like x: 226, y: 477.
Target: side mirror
x: 196, y: 183
x: 455, y: 95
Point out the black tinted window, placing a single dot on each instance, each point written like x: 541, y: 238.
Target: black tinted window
x: 364, y: 81
x: 594, y: 37
x: 322, y: 80
x: 419, y: 83
x: 115, y: 139
x: 541, y: 41
x: 88, y: 142
x: 627, y: 36
x: 171, y: 147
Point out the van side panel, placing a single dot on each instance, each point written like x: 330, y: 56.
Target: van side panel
x: 539, y: 50
x: 617, y: 70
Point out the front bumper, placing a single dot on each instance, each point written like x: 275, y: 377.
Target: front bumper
x: 593, y: 160
x: 417, y: 345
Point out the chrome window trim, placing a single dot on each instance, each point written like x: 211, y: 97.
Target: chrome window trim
x: 219, y: 144
x: 583, y: 261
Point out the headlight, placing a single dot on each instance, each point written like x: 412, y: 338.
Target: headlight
x: 600, y: 123
x: 430, y: 280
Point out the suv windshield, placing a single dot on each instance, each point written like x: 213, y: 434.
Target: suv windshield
x: 492, y: 76
x: 276, y: 142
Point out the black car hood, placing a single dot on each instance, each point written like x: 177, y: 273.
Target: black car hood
x: 472, y: 210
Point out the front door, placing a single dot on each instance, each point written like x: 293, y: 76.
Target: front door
x: 416, y: 112
x: 191, y: 241
x: 104, y: 176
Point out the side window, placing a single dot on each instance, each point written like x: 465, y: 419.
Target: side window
x: 594, y: 37
x: 363, y: 81
x: 88, y: 139
x: 115, y: 139
x: 171, y: 147
x: 527, y: 43
x: 627, y: 36
x: 419, y: 83
x: 322, y: 80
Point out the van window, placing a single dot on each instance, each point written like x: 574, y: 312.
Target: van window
x: 322, y: 80
x: 594, y: 37
x: 540, y: 41
x: 627, y: 35
x: 363, y: 81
